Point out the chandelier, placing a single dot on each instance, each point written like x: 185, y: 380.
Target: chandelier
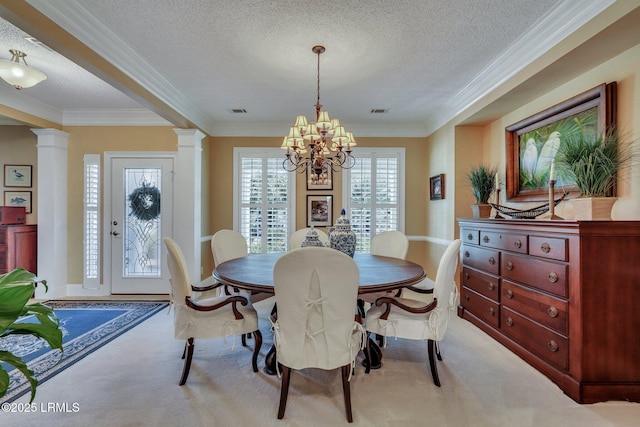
x: 20, y: 75
x: 318, y: 146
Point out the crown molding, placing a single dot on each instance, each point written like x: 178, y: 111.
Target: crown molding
x: 556, y: 25
x: 112, y: 117
x: 19, y: 100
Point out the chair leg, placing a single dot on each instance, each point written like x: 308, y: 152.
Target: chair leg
x: 243, y: 338
x: 184, y: 352
x: 438, y: 351
x: 284, y: 390
x: 367, y: 350
x: 346, y: 389
x: 257, y: 337
x: 187, y: 363
x: 432, y: 363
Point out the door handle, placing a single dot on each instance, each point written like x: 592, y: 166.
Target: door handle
x: 114, y: 233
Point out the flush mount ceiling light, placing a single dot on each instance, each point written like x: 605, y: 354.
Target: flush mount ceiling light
x: 326, y: 141
x: 20, y: 75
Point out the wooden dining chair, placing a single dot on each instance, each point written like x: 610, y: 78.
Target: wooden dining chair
x: 416, y: 320
x: 316, y: 290
x: 213, y: 317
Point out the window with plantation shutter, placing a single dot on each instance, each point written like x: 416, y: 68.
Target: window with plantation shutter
x: 264, y: 199
x: 373, y: 193
x: 91, y: 239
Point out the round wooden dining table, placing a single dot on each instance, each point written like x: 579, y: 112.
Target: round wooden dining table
x: 377, y: 274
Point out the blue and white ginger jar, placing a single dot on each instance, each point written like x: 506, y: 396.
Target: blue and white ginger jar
x: 311, y: 239
x: 342, y: 237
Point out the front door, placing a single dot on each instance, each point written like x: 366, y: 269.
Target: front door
x: 141, y: 215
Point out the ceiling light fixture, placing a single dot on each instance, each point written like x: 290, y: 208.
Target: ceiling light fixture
x: 326, y: 141
x: 20, y: 75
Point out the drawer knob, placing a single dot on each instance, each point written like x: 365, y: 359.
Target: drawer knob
x: 509, y: 266
x: 467, y: 254
x: 553, y: 277
x: 492, y: 261
x: 509, y: 321
x: 491, y: 311
x: 552, y: 311
x: 466, y: 297
x: 553, y: 346
x: 517, y: 244
x: 545, y: 248
x: 469, y: 236
x: 491, y: 286
x: 466, y: 275
x: 485, y: 239
x: 509, y: 293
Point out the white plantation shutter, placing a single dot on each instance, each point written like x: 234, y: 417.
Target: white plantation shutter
x: 264, y: 199
x: 373, y: 193
x: 91, y: 239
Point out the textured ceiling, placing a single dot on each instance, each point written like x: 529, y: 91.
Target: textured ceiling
x: 417, y: 59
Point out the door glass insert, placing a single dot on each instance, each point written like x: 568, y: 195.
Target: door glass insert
x: 142, y: 216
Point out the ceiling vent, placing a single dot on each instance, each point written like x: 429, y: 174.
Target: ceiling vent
x: 238, y: 111
x: 38, y: 43
x: 379, y: 111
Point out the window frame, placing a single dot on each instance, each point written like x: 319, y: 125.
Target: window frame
x: 376, y: 153
x: 240, y: 153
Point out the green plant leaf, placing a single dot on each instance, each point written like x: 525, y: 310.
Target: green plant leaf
x: 17, y: 363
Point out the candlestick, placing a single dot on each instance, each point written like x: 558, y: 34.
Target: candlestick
x: 552, y: 202
x: 497, y: 215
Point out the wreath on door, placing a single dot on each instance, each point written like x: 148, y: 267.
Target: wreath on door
x: 144, y: 202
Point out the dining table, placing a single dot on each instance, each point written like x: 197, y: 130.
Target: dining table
x: 377, y: 273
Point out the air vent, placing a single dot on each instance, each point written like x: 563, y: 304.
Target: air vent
x: 38, y: 43
x: 238, y: 111
x: 379, y: 111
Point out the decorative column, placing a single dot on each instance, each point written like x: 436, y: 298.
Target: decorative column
x: 52, y: 211
x: 187, y: 218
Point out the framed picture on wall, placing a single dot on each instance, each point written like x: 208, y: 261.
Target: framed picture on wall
x: 17, y: 175
x: 322, y: 183
x: 18, y: 198
x: 436, y: 187
x: 319, y: 210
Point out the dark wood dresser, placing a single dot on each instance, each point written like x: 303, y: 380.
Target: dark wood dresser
x: 18, y: 247
x: 563, y: 295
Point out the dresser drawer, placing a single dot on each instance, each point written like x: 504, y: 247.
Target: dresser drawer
x: 469, y: 235
x: 484, y: 259
x: 482, y: 283
x: 545, y: 275
x: 544, y: 309
x: 546, y: 247
x: 482, y: 307
x: 507, y: 241
x: 550, y: 346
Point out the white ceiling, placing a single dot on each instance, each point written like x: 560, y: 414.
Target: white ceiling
x: 424, y: 61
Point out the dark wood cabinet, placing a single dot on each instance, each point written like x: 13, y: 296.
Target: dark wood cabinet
x: 18, y: 247
x: 563, y: 295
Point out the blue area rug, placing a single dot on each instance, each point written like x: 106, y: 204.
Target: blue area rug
x: 86, y: 326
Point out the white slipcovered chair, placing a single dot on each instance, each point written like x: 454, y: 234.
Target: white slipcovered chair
x: 316, y: 290
x: 417, y: 320
x: 298, y: 237
x: 214, y: 317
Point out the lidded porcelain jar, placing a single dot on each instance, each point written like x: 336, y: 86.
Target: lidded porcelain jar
x: 342, y: 237
x: 311, y: 239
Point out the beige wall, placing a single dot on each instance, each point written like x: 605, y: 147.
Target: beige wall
x: 18, y: 147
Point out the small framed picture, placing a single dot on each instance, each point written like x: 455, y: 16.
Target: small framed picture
x: 17, y: 175
x: 18, y: 198
x: 319, y: 210
x: 436, y: 187
x: 324, y: 182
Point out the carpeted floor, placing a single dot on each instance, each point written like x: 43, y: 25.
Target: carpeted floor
x: 85, y: 325
x: 133, y: 381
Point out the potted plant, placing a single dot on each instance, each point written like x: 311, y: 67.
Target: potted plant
x: 593, y: 160
x: 16, y: 288
x: 482, y: 180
